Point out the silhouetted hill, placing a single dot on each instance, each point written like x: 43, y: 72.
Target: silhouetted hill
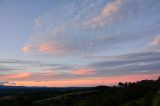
x: 141, y: 93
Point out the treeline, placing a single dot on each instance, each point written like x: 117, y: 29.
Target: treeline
x: 141, y: 93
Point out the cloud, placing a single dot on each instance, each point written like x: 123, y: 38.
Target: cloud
x: 3, y: 82
x: 62, y: 30
x: 30, y: 76
x: 37, y: 23
x: 156, y: 41
x: 16, y: 62
x: 58, y: 30
x: 50, y: 48
x: 136, y: 65
x: 106, y: 15
x: 121, y: 65
x: 83, y: 72
x: 144, y: 62
x: 7, y: 83
x: 26, y: 49
x: 17, y: 66
x: 151, y: 56
x: 45, y: 45
x: 7, y: 69
x: 58, y: 33
x: 16, y: 76
x: 100, y: 29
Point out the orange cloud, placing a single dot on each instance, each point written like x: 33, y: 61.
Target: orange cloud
x: 45, y: 47
x: 26, y: 49
x: 17, y: 76
x: 49, y: 48
x: 83, y: 72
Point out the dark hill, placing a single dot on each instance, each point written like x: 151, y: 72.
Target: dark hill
x: 141, y: 93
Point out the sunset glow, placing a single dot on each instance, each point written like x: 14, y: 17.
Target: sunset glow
x: 61, y: 43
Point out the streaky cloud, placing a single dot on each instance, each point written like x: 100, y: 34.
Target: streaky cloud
x: 106, y: 15
x: 61, y: 31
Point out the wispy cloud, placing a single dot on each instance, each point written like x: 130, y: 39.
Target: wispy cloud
x: 15, y: 76
x: 83, y: 72
x: 106, y: 15
x: 104, y: 37
x: 128, y: 64
x: 7, y: 69
x: 50, y: 48
x: 14, y: 69
x: 62, y: 30
x: 37, y: 23
x: 144, y: 62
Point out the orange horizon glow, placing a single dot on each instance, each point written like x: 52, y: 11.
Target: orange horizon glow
x: 108, y: 81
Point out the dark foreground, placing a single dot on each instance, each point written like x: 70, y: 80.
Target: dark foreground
x: 141, y: 93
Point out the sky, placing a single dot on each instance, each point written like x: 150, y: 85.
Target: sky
x: 62, y: 43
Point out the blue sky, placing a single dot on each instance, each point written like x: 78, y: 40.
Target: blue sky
x: 17, y: 18
x: 47, y: 42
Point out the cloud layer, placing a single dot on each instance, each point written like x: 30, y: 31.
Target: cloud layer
x: 89, y: 41
x: 140, y: 63
x: 87, y: 27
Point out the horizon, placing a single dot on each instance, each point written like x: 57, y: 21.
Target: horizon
x: 116, y: 84
x: 78, y: 43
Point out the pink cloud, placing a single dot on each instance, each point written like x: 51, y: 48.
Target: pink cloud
x: 156, y: 41
x: 26, y: 49
x: 44, y: 47
x: 16, y: 76
x: 50, y: 48
x: 83, y: 72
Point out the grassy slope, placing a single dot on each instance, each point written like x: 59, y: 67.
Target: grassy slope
x: 142, y: 102
x: 70, y: 98
x: 156, y: 101
x: 89, y: 98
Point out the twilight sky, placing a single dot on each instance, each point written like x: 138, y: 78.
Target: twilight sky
x: 78, y: 42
